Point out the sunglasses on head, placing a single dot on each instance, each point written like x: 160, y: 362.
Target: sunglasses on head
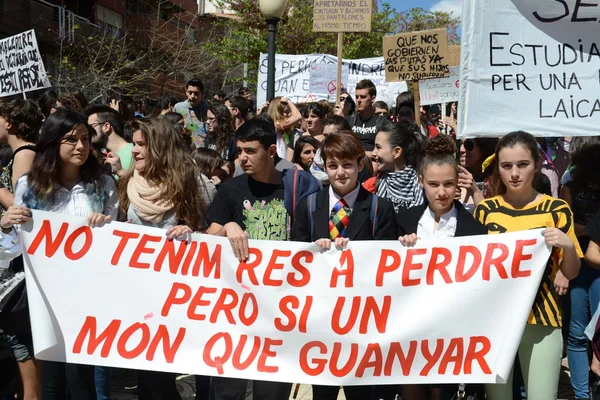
x: 468, y: 145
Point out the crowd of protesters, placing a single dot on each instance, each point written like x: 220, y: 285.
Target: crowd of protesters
x: 215, y: 165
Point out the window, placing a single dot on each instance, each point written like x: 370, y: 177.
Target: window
x: 110, y: 21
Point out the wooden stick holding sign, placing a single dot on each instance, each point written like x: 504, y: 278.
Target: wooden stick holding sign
x: 338, y: 87
x: 417, y: 102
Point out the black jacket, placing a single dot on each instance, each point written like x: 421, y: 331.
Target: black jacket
x: 466, y: 224
x: 359, y: 227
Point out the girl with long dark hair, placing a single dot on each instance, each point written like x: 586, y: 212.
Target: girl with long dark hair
x: 518, y: 206
x: 220, y: 131
x: 64, y: 178
x: 397, y: 152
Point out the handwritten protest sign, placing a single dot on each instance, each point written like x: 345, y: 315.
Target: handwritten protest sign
x: 342, y: 15
x: 125, y: 296
x: 443, y: 90
x: 416, y: 55
x: 292, y: 77
x: 21, y: 66
x: 535, y: 69
x: 323, y: 78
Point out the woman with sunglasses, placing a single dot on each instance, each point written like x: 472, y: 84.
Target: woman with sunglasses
x: 346, y: 106
x: 476, y: 160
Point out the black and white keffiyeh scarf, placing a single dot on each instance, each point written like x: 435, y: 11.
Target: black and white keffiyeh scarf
x: 401, y: 188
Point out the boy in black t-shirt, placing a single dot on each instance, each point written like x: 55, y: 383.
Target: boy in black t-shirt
x: 251, y: 206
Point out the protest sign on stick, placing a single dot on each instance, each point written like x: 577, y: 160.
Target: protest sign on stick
x: 21, y: 65
x: 534, y: 69
x: 341, y: 16
x: 370, y: 314
x: 416, y: 56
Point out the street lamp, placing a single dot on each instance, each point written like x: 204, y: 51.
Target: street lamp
x: 272, y: 10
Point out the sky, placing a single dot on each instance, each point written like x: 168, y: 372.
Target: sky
x: 454, y: 6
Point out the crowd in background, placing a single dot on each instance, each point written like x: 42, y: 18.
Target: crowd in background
x: 214, y: 165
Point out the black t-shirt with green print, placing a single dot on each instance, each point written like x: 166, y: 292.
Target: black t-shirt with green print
x: 256, y: 206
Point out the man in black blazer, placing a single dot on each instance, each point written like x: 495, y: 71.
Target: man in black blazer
x: 341, y: 212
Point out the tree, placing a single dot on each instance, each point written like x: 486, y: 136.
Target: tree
x: 247, y: 36
x: 134, y: 61
x: 418, y: 19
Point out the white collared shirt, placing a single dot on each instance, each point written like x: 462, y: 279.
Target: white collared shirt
x: 446, y: 227
x: 350, y: 198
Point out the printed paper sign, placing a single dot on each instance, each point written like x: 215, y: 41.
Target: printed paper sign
x: 342, y: 15
x: 292, y: 78
x: 443, y: 90
x: 21, y: 66
x: 323, y: 78
x: 376, y: 313
x: 416, y: 55
x: 530, y: 65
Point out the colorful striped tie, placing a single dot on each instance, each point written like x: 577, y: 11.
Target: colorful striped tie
x: 338, y: 221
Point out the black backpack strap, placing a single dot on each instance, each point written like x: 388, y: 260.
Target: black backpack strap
x: 311, y: 202
x: 373, y: 214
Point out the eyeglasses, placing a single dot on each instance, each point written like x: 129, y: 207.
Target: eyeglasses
x: 469, y: 145
x: 209, y: 120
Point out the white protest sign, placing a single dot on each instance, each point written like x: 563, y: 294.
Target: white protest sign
x: 292, y: 77
x: 323, y: 78
x: 442, y: 90
x: 21, y: 66
x: 434, y: 313
x: 535, y: 68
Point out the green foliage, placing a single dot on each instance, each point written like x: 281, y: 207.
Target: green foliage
x: 245, y: 37
x: 418, y: 19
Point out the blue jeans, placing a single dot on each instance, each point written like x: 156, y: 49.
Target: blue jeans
x: 102, y: 378
x: 584, y: 293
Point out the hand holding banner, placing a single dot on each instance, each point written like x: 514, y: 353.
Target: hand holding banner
x: 125, y: 296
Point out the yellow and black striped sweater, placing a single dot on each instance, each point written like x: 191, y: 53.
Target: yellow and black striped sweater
x: 548, y: 212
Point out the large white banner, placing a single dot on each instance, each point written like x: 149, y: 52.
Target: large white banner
x: 292, y: 78
x: 531, y: 65
x: 21, y: 65
x: 125, y: 296
x: 441, y: 90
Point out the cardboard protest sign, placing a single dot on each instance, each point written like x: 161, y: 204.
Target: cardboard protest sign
x: 454, y: 55
x: 416, y: 55
x: 292, y: 77
x: 323, y: 78
x: 342, y: 15
x: 21, y: 66
x: 443, y: 90
x: 535, y: 69
x: 375, y: 313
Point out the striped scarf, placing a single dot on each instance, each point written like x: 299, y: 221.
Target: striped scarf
x: 401, y: 188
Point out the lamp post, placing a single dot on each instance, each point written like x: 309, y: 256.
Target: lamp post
x: 272, y: 10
